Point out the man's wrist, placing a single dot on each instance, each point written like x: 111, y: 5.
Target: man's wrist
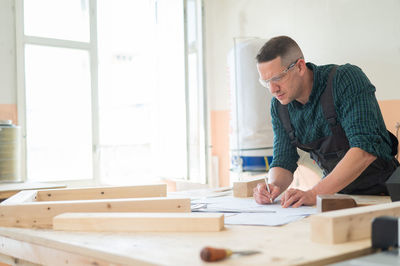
x: 314, y: 192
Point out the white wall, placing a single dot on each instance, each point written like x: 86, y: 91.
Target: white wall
x: 362, y: 32
x: 8, y: 87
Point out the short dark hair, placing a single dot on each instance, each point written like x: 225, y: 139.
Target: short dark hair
x: 282, y: 46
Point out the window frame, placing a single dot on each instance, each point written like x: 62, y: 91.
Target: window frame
x: 91, y: 48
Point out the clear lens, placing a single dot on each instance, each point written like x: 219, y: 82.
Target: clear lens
x: 279, y: 77
x: 267, y: 83
x: 264, y: 83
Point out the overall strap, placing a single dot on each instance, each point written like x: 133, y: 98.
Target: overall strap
x: 327, y: 102
x: 283, y: 114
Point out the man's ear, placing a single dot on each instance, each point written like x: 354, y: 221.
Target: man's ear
x: 301, y: 64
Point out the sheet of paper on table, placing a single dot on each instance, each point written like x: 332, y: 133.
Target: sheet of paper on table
x: 247, y: 212
x: 267, y: 219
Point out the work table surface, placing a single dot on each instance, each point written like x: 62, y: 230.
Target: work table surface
x: 283, y: 245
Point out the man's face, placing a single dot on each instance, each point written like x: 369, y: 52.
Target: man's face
x: 278, y: 79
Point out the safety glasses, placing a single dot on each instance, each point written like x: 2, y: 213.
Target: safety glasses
x: 279, y: 77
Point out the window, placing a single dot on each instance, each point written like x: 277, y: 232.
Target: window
x: 111, y: 90
x: 58, y: 113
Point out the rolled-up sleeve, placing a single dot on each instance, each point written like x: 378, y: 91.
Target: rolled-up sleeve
x: 359, y: 113
x: 285, y: 154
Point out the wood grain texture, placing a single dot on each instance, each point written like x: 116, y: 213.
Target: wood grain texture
x: 33, y: 254
x: 349, y: 224
x: 157, y: 190
x: 367, y: 200
x: 139, y: 222
x: 40, y: 214
x: 21, y: 197
x: 334, y: 202
x: 8, y: 190
x: 243, y: 189
x: 282, y: 245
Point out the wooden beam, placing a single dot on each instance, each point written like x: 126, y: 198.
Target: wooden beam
x: 140, y: 222
x: 334, y: 202
x: 8, y: 190
x: 243, y: 189
x: 40, y: 214
x: 349, y: 224
x: 143, y: 191
x: 21, y: 197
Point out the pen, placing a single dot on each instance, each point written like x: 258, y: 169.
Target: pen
x: 269, y: 191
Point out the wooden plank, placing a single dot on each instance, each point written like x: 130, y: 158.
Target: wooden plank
x: 156, y: 190
x: 40, y: 214
x: 334, y: 202
x: 139, y: 222
x: 21, y: 197
x: 348, y: 224
x: 8, y: 190
x: 244, y: 189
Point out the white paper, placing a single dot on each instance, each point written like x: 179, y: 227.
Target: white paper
x: 247, y: 205
x: 268, y: 219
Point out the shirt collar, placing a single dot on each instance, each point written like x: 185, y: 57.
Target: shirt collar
x: 314, y: 91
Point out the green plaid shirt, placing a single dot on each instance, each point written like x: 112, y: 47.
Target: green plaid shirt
x: 356, y: 107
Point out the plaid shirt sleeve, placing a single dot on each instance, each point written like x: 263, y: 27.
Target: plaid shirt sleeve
x: 358, y: 112
x: 285, y: 154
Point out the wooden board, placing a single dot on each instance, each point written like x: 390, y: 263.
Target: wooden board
x: 329, y: 203
x: 40, y: 214
x: 157, y: 190
x: 139, y: 222
x: 349, y: 224
x: 334, y: 202
x: 244, y: 189
x: 10, y: 189
x: 21, y: 197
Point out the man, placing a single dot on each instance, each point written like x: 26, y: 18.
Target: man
x: 331, y: 112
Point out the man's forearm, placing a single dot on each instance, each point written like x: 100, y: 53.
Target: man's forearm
x: 346, y: 171
x: 280, y: 177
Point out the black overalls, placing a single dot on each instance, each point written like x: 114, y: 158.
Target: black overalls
x: 329, y: 150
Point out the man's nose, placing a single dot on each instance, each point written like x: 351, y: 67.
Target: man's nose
x: 274, y: 88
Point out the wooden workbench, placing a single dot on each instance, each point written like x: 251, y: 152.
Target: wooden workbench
x: 284, y: 245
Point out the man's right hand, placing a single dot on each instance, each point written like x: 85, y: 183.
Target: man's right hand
x: 261, y: 195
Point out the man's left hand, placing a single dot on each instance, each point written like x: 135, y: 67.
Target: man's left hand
x: 296, y: 198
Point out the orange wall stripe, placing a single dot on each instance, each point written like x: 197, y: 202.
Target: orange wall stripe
x: 9, y: 112
x: 391, y: 114
x: 220, y: 143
